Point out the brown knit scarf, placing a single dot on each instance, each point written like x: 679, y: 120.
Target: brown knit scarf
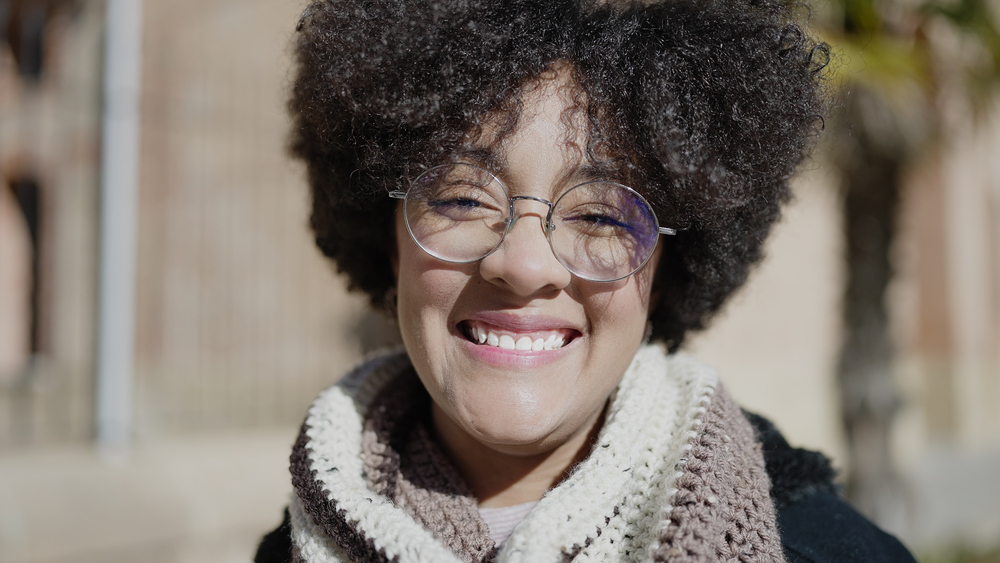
x: 716, y: 506
x: 403, y: 463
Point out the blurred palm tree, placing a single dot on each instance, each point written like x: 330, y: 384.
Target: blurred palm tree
x: 901, y: 68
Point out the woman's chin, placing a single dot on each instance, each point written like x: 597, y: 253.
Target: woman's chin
x: 515, y: 429
x: 522, y: 439
x: 521, y: 409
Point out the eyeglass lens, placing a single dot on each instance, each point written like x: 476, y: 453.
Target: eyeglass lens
x: 600, y: 231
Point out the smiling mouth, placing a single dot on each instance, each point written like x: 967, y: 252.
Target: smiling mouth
x: 536, y: 341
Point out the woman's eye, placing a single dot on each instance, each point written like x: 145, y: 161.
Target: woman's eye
x: 457, y: 202
x: 463, y: 202
x: 601, y: 220
x: 598, y: 221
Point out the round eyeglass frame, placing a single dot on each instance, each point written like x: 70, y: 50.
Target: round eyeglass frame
x: 512, y: 216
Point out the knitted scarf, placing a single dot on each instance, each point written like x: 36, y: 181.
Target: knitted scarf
x: 674, y: 475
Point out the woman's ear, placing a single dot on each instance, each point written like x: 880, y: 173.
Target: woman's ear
x: 394, y: 247
x: 654, y: 297
x: 655, y: 291
x: 389, y: 298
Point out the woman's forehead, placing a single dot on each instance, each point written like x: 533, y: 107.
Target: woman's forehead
x: 552, y: 109
x: 586, y: 167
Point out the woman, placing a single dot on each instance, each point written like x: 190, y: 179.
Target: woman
x: 547, y: 197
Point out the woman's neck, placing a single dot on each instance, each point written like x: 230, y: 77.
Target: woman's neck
x: 500, y: 479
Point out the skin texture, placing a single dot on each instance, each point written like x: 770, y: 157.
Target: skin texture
x: 514, y: 421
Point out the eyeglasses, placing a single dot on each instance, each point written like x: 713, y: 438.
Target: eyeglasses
x: 600, y: 231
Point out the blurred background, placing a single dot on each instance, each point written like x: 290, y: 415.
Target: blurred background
x: 165, y: 319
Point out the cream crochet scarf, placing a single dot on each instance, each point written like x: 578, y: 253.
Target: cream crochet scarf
x: 675, y: 475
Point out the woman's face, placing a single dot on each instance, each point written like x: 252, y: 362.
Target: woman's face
x: 521, y: 402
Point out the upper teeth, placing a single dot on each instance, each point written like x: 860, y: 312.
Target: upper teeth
x: 507, y: 342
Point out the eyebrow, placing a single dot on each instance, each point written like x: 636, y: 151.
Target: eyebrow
x: 590, y: 171
x: 482, y: 156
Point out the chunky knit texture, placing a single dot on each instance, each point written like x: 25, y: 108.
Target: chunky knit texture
x: 403, y: 463
x: 722, y: 494
x: 675, y: 475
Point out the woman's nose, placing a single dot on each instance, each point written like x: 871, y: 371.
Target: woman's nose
x: 524, y: 262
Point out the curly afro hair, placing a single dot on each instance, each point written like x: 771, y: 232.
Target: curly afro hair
x: 707, y: 107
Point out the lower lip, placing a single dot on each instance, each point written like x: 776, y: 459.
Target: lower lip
x: 515, y: 358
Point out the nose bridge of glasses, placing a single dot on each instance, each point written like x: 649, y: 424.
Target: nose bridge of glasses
x: 542, y: 217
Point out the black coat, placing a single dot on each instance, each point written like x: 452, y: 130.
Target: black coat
x: 815, y: 523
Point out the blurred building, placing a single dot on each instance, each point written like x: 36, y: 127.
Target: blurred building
x: 239, y: 321
x: 49, y: 148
